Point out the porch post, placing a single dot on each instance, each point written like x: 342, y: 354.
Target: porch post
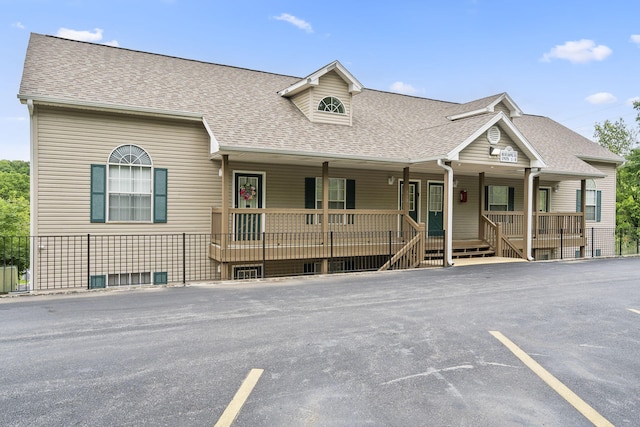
x: 325, y: 214
x: 583, y: 209
x: 526, y: 220
x: 536, y: 206
x: 481, y: 206
x: 405, y: 196
x: 448, y: 213
x: 224, y: 223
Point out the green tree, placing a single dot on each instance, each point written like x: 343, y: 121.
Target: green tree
x: 628, y: 192
x: 616, y: 136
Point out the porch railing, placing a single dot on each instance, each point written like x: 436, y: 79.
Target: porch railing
x: 248, y: 224
x: 499, y: 240
x: 411, y: 254
x: 543, y: 222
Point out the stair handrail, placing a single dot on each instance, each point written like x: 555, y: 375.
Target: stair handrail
x: 412, y: 253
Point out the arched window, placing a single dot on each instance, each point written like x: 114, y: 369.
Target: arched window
x: 129, y: 184
x: 331, y: 104
x: 592, y: 200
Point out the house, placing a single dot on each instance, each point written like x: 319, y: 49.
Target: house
x: 289, y: 175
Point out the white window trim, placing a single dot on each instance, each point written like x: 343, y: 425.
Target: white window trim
x: 108, y: 190
x: 333, y: 218
x: 489, y: 204
x: 344, y: 107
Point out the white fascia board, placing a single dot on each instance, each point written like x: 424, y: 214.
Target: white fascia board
x: 470, y: 114
x: 214, y: 146
x: 229, y: 149
x: 573, y: 174
x: 99, y: 106
x: 602, y: 160
x: 515, y: 111
x: 534, y: 157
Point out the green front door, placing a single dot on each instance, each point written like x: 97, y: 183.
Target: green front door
x: 413, y: 199
x: 435, y: 204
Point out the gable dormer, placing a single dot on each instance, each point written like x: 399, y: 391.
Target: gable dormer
x: 325, y: 96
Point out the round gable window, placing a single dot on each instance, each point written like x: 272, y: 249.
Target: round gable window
x: 493, y: 134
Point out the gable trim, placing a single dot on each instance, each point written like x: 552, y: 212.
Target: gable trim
x: 314, y: 79
x: 534, y: 157
x: 514, y: 110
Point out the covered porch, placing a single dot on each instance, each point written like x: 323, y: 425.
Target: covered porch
x: 320, y: 240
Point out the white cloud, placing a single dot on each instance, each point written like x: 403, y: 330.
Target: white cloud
x: 635, y: 38
x: 580, y: 51
x: 601, y: 98
x: 19, y: 25
x: 300, y: 23
x: 631, y: 101
x: 14, y: 119
x: 85, y: 36
x: 401, y: 87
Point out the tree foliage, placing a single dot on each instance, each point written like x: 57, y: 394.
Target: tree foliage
x: 14, y: 198
x: 616, y: 136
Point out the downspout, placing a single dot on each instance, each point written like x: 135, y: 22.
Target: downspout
x: 33, y: 204
x: 449, y: 210
x: 529, y: 213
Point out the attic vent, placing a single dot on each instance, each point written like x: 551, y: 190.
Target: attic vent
x: 493, y: 134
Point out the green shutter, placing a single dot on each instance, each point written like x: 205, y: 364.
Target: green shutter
x: 578, y: 201
x: 598, y: 205
x: 350, y: 199
x: 309, y: 193
x: 510, y: 206
x: 159, y: 195
x: 486, y: 197
x: 98, y: 193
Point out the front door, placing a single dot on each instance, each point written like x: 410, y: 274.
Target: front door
x: 435, y: 204
x: 543, y: 200
x: 248, y: 195
x: 414, y: 195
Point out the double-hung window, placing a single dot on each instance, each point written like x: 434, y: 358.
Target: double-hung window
x: 128, y: 188
x: 593, y: 206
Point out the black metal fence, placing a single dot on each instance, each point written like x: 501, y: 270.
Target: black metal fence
x: 98, y: 261
x: 95, y: 261
x: 597, y: 242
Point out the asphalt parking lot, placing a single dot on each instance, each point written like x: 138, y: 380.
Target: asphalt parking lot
x: 432, y: 347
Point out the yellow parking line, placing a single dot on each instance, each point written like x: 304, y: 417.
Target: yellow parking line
x: 553, y: 382
x: 633, y: 310
x: 233, y: 409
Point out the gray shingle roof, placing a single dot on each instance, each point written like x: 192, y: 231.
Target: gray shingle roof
x: 244, y: 110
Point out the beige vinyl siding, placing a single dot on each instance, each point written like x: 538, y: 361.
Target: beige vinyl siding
x: 302, y: 100
x: 69, y: 141
x: 478, y: 151
x: 502, y: 107
x: 465, y: 215
x: 285, y: 185
x: 564, y: 199
x: 331, y: 84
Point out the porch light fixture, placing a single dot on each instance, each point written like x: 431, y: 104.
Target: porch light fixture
x: 494, y: 151
x: 391, y: 180
x: 556, y: 188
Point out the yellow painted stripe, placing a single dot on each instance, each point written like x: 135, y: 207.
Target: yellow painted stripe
x: 553, y: 382
x: 233, y: 409
x: 633, y: 310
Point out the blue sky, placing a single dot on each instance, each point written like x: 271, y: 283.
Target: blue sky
x: 574, y: 61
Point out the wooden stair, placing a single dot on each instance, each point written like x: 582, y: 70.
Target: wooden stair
x: 463, y: 249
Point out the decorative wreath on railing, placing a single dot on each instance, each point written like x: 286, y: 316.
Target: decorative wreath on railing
x: 247, y: 191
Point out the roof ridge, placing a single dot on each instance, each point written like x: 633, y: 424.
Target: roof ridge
x: 164, y: 55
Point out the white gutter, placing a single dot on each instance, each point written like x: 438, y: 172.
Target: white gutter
x: 32, y: 198
x: 529, y: 213
x: 449, y: 226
